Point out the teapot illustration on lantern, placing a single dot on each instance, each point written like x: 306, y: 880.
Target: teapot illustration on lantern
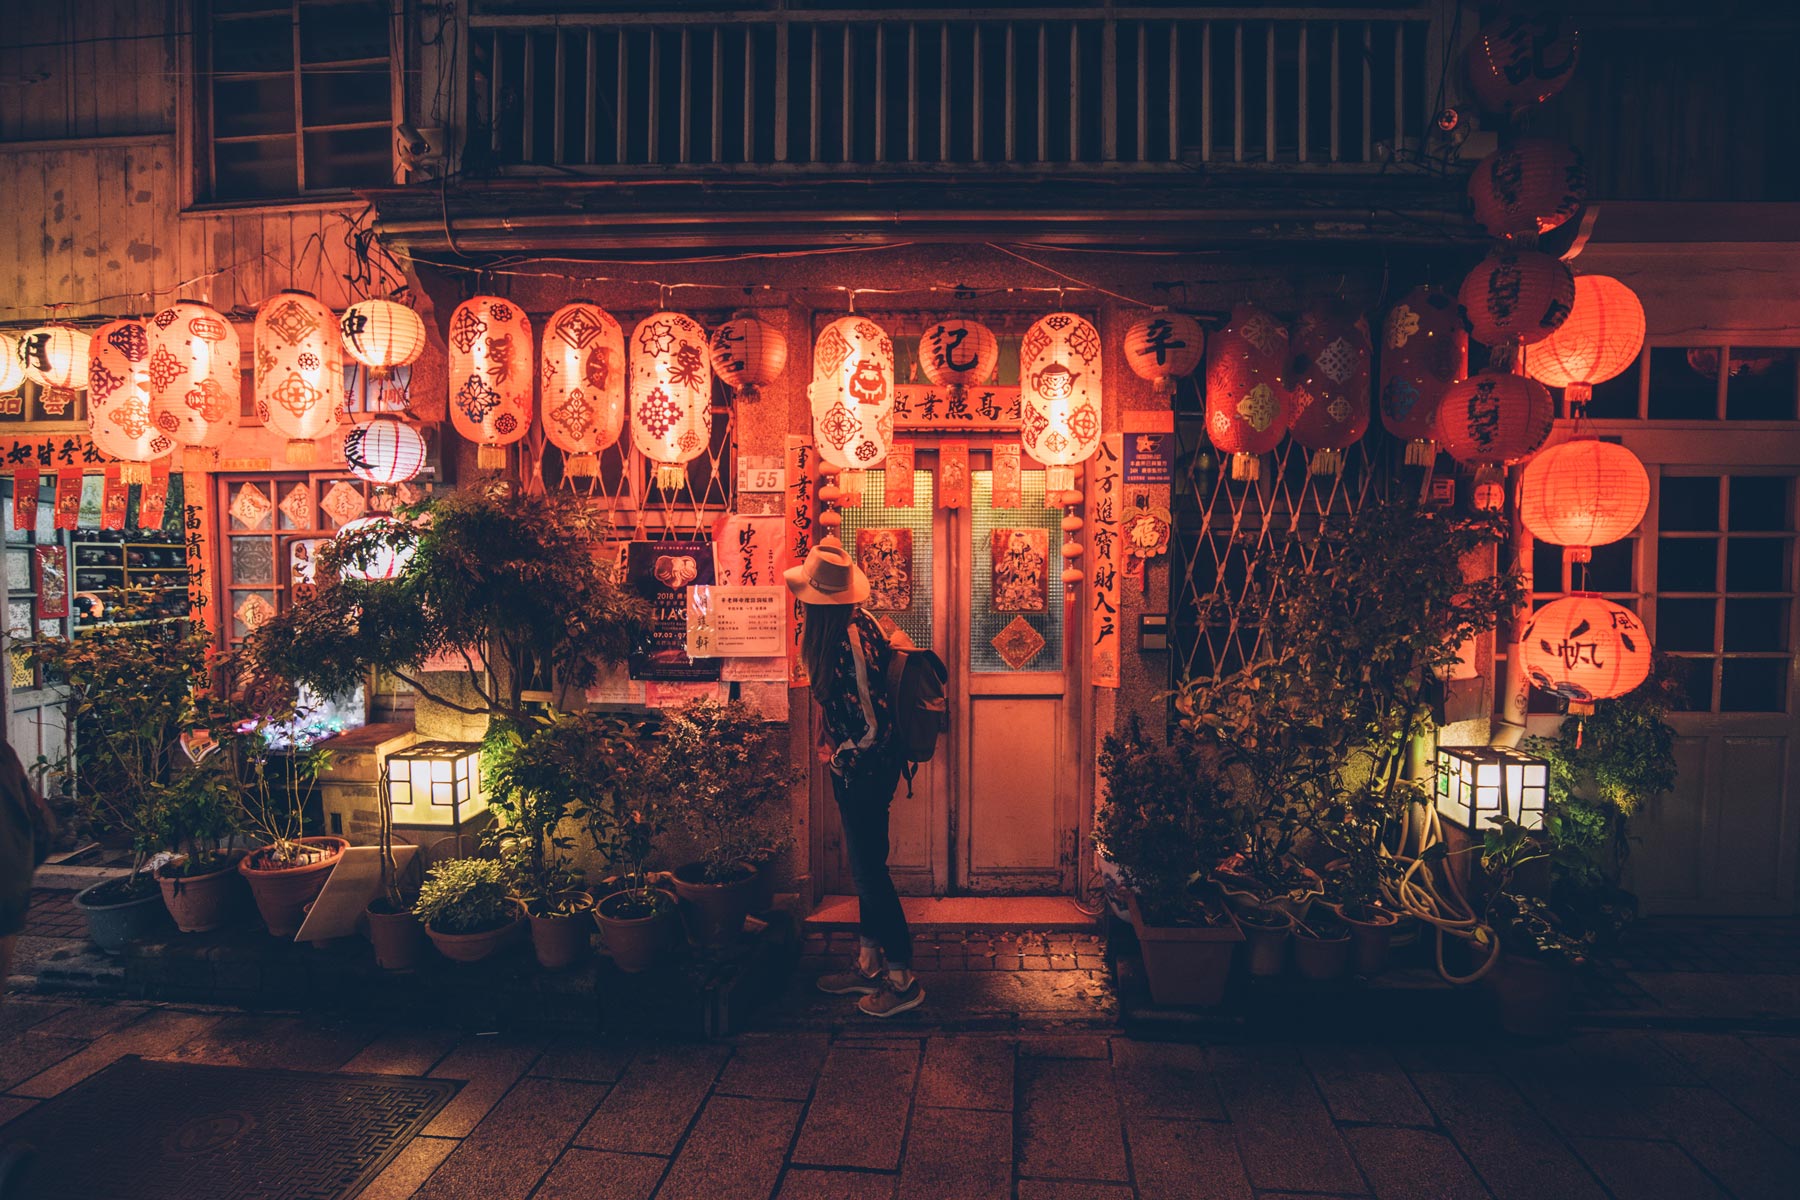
x: 1055, y: 382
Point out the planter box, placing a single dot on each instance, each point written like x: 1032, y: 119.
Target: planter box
x: 1186, y: 964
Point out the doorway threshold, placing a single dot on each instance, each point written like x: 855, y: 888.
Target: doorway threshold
x: 1047, y: 913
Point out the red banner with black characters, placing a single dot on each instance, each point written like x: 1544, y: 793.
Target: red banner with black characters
x: 26, y: 481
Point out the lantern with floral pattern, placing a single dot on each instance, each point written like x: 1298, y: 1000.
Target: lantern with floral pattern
x: 1248, y: 405
x: 490, y: 376
x: 195, y: 386
x: 1424, y: 350
x: 1330, y: 383
x: 852, y: 397
x: 1059, y: 388
x: 583, y: 401
x: 671, y: 394
x: 299, y: 372
x: 118, y: 406
x: 1163, y: 347
x: 748, y: 354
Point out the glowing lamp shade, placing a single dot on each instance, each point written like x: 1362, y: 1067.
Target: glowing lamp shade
x: 490, y: 376
x: 1424, y: 350
x: 12, y: 371
x: 385, y: 451
x: 1059, y: 386
x: 1248, y: 403
x: 1477, y: 785
x: 1330, y: 378
x: 671, y: 394
x: 382, y: 335
x: 1603, y: 336
x: 1163, y: 347
x: 375, y: 548
x: 583, y: 368
x: 1492, y: 419
x: 194, y: 381
x: 748, y: 354
x: 1585, y: 648
x: 1522, y: 60
x: 852, y: 398
x: 54, y: 356
x: 118, y: 384
x: 1517, y: 297
x: 435, y: 785
x: 299, y: 372
x: 959, y: 354
x: 1582, y: 494
x: 1528, y: 187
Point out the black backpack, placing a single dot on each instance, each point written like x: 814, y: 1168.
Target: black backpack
x: 919, y: 705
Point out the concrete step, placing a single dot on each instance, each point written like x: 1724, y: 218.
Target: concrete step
x: 1047, y: 914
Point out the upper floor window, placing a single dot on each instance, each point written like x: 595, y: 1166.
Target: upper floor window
x: 296, y: 97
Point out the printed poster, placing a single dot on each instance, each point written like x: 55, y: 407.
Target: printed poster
x: 52, y: 582
x: 1150, y: 458
x: 802, y: 490
x: 736, y: 622
x: 1104, y: 552
x: 1006, y: 475
x: 953, y: 475
x: 93, y: 493
x: 153, y: 497
x: 886, y: 557
x: 1021, y: 570
x: 751, y: 551
x: 662, y: 572
x: 899, y: 475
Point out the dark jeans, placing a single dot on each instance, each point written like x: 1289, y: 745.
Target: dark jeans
x: 862, y: 799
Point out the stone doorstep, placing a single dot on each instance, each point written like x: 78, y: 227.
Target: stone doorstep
x: 990, y: 913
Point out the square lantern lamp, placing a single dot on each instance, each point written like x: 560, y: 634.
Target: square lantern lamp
x: 1476, y: 785
x: 436, y: 785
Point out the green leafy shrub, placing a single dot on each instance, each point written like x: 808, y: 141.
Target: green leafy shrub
x: 725, y: 773
x: 464, y: 895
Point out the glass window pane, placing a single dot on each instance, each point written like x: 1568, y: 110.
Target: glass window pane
x: 1689, y: 502
x: 894, y: 548
x: 1694, y: 677
x: 1686, y: 564
x: 248, y: 170
x: 252, y: 560
x: 1610, y: 571
x: 18, y: 570
x: 254, y: 44
x: 1756, y: 625
x: 1016, y: 589
x: 1761, y: 384
x: 1684, y: 384
x: 251, y: 106
x: 349, y: 158
x: 344, y: 96
x: 1756, y: 564
x: 1761, y: 502
x: 336, y: 30
x: 1753, y: 685
x: 1617, y: 398
x: 1686, y: 625
x: 1546, y: 566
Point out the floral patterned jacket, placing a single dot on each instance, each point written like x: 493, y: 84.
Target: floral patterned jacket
x: 858, y: 720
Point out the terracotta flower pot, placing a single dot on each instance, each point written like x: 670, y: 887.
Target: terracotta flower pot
x: 1185, y: 964
x: 282, y: 893
x: 1246, y: 894
x: 1371, y: 934
x: 713, y: 912
x: 634, y: 943
x: 1533, y: 996
x: 397, y: 937
x: 473, y: 947
x: 1324, y: 957
x: 559, y: 939
x: 204, y: 902
x: 116, y: 917
x: 1266, y: 932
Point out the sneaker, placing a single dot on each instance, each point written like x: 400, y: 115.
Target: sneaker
x: 850, y: 983
x: 890, y: 1001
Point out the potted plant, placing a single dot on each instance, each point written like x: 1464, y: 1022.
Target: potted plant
x: 724, y: 772
x: 1356, y: 824
x: 1162, y: 826
x: 196, y: 814
x: 277, y: 766
x: 464, y: 908
x: 1532, y: 977
x: 1322, y: 946
x: 638, y: 917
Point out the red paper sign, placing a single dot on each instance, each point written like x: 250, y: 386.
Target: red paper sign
x: 1006, y: 475
x: 900, y: 475
x: 152, y: 498
x: 114, y: 499
x: 25, y: 497
x: 52, y: 581
x: 802, y: 487
x: 68, y: 497
x: 953, y: 475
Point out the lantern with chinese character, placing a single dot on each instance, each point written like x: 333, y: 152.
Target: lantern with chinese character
x: 299, y: 372
x: 1248, y: 405
x: 375, y: 548
x: 1585, y: 648
x: 671, y: 394
x: 1603, y: 335
x: 1330, y: 380
x: 1163, y: 347
x: 583, y: 403
x: 1517, y: 297
x: 384, y: 451
x: 1477, y: 785
x: 118, y: 386
x: 1582, y: 494
x: 435, y: 785
x: 1528, y: 187
x: 12, y: 371
x: 382, y: 335
x: 194, y: 380
x: 1424, y: 349
x: 1493, y: 419
x: 55, y: 356
x: 748, y: 354
x: 1059, y: 386
x: 490, y: 376
x: 1522, y: 60
x: 959, y: 354
x: 852, y: 396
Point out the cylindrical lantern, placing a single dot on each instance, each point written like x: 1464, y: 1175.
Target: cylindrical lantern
x: 1330, y: 382
x: 55, y: 356
x: 118, y: 384
x: 852, y: 397
x: 377, y: 560
x: 1248, y: 406
x: 490, y: 376
x: 748, y: 354
x: 1528, y: 187
x: 583, y: 403
x: 671, y: 394
x: 12, y: 371
x: 1163, y: 347
x: 382, y: 335
x: 959, y: 354
x: 194, y: 381
x: 299, y: 371
x: 1493, y: 419
x: 1584, y: 648
x: 1059, y: 385
x: 1424, y: 349
x: 1603, y: 335
x: 1522, y: 60
x: 1517, y: 297
x: 384, y: 451
x: 1583, y: 494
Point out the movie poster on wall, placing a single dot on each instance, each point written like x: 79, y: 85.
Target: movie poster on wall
x: 886, y: 557
x: 1021, y: 570
x: 662, y: 572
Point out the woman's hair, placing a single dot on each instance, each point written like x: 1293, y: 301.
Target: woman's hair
x: 826, y: 627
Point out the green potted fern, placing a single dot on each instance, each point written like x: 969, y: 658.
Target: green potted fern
x: 465, y: 908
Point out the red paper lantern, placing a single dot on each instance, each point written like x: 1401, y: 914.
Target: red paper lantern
x: 118, y: 406
x: 1529, y: 186
x: 1584, y: 648
x: 748, y: 354
x: 1522, y: 60
x: 385, y: 451
x: 1582, y: 494
x: 490, y: 376
x: 1424, y: 350
x: 1603, y: 335
x: 1517, y: 297
x: 583, y: 402
x: 1330, y: 378
x: 1163, y: 347
x: 1493, y: 419
x: 1248, y: 406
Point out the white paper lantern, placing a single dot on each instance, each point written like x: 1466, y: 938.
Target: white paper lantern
x: 382, y: 335
x: 852, y: 396
x: 55, y: 356
x: 118, y: 408
x: 299, y: 372
x: 583, y: 403
x: 12, y: 371
x: 748, y: 354
x: 194, y: 381
x: 385, y: 451
x: 671, y: 394
x: 1059, y: 384
x: 959, y: 354
x: 383, y: 560
x: 490, y: 376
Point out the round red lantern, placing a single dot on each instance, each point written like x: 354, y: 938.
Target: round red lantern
x: 959, y: 354
x: 1248, y: 406
x: 382, y: 335
x: 490, y: 376
x: 195, y: 386
x: 1424, y: 350
x: 671, y: 394
x: 1585, y: 648
x: 1163, y: 347
x: 1330, y: 382
x: 1583, y: 494
x: 1490, y: 420
x: 1517, y: 297
x: 118, y: 384
x: 748, y: 354
x: 299, y: 371
x: 583, y: 403
x: 1603, y: 335
x: 385, y: 451
x: 1528, y: 187
x: 1521, y: 60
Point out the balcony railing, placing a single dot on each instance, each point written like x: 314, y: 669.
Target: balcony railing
x: 1111, y: 89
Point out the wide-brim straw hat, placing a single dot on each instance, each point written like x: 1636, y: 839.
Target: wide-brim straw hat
x: 828, y: 576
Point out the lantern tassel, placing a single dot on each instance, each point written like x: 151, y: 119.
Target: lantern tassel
x: 134, y: 472
x: 1421, y: 452
x: 1327, y: 462
x: 489, y: 457
x: 671, y: 477
x: 302, y: 451
x: 1246, y: 467
x: 582, y: 466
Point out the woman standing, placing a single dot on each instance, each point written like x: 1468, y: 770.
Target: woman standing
x: 847, y: 659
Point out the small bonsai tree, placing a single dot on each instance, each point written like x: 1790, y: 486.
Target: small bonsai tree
x: 276, y: 768
x: 464, y: 895
x: 725, y: 773
x: 627, y: 812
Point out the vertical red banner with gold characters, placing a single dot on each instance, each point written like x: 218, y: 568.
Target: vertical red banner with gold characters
x: 153, y: 498
x: 1007, y: 492
x: 898, y: 471
x: 114, y: 499
x: 68, y: 497
x: 196, y: 532
x: 25, y: 496
x: 953, y: 475
x: 802, y: 492
x: 1104, y: 550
